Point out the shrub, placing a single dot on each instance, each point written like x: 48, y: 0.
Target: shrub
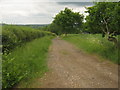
x: 26, y: 62
x: 13, y: 36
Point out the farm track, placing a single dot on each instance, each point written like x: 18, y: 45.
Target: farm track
x: 71, y: 68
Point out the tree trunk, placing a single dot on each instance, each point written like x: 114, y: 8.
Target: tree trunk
x: 114, y: 40
x: 108, y: 35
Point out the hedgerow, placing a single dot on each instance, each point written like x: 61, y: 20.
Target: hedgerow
x: 26, y: 61
x: 13, y: 36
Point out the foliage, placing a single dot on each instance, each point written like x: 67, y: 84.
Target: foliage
x: 25, y: 62
x: 54, y: 28
x: 94, y: 43
x: 67, y: 21
x: 13, y: 36
x: 104, y: 18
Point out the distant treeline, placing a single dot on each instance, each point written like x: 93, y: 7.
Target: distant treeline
x: 37, y: 26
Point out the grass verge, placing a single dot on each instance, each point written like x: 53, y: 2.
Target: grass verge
x: 26, y: 62
x: 94, y: 44
x: 13, y: 36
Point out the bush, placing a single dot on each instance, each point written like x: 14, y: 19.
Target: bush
x: 13, y: 36
x: 26, y: 62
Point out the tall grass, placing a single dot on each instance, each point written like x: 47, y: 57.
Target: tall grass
x: 94, y: 43
x: 25, y: 62
x: 13, y: 36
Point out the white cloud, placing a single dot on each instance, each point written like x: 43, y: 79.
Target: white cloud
x: 32, y: 11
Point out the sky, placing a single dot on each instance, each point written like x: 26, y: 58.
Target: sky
x: 37, y: 11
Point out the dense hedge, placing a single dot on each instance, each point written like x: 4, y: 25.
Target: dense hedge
x: 13, y: 36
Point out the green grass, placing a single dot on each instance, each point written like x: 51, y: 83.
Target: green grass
x: 13, y: 36
x: 94, y: 44
x: 26, y: 62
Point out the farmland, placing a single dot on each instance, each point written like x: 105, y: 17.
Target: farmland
x: 26, y: 59
x: 73, y: 51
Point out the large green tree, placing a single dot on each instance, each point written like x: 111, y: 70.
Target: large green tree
x: 68, y: 21
x: 104, y: 17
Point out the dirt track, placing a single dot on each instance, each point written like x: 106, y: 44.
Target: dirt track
x: 71, y: 68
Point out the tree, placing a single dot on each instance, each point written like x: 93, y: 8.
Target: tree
x: 54, y: 28
x: 68, y: 21
x: 104, y: 18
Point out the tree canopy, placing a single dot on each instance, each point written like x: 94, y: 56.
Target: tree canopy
x: 104, y: 18
x: 68, y: 21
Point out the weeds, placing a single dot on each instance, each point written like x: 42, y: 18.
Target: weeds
x: 25, y: 62
x: 94, y: 43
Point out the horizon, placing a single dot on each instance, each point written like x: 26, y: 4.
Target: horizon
x: 25, y: 24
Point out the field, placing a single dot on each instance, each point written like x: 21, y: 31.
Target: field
x: 94, y: 44
x: 76, y: 45
x: 25, y: 54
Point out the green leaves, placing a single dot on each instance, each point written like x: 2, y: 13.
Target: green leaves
x: 68, y: 21
x: 12, y: 36
x: 25, y: 62
x: 103, y: 17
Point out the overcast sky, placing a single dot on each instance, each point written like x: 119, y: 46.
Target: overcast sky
x: 37, y: 11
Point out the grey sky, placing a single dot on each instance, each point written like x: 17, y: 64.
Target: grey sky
x: 37, y: 11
